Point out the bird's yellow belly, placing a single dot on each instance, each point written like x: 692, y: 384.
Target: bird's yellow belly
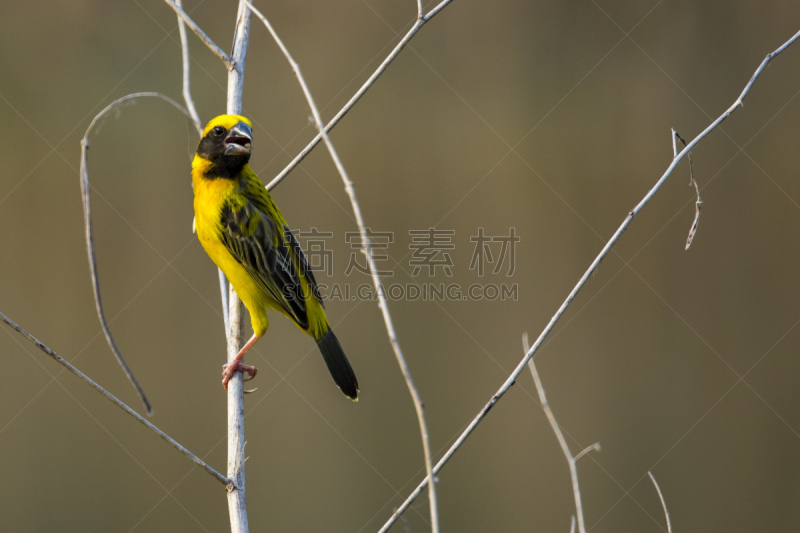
x: 251, y: 294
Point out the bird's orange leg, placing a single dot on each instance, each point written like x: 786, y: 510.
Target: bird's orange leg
x: 229, y: 368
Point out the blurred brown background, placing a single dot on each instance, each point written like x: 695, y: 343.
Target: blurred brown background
x: 549, y: 117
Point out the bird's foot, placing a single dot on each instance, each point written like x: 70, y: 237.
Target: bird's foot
x: 229, y: 368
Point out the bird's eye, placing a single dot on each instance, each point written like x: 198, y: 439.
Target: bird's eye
x: 219, y: 130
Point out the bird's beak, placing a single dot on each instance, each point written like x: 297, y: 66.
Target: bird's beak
x: 238, y: 140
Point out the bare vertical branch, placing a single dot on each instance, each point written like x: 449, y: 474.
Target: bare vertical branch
x: 367, y: 249
x: 581, y: 282
x: 113, y: 399
x: 87, y: 227
x: 571, y: 461
x: 236, y: 69
x: 237, y: 506
x: 356, y: 97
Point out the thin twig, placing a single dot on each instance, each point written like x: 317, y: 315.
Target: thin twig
x: 674, y: 144
x: 187, y: 92
x: 572, y: 525
x: 581, y: 282
x: 698, y: 204
x: 418, y: 406
x: 356, y: 97
x: 187, y: 97
x: 229, y: 62
x: 591, y: 448
x: 663, y: 503
x: 199, y: 462
x: 237, y: 506
x: 571, y: 461
x: 87, y: 224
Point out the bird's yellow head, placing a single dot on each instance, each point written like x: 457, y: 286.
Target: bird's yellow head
x: 225, y: 146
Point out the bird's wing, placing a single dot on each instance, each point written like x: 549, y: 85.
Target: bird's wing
x: 302, y: 263
x: 262, y: 245
x: 257, y: 193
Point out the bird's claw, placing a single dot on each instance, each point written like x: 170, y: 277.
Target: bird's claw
x: 228, y: 370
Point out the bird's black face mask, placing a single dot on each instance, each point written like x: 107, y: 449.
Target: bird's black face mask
x: 227, y: 150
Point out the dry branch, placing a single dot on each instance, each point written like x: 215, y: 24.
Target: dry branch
x: 60, y: 360
x: 187, y: 92
x: 698, y: 204
x: 663, y: 503
x: 356, y: 97
x: 229, y: 62
x: 582, y: 281
x: 187, y: 97
x: 367, y: 249
x: 237, y: 507
x: 87, y: 225
x: 571, y: 460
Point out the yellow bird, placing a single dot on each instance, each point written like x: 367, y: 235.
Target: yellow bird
x: 244, y: 233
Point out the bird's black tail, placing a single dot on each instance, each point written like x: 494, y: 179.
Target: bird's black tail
x: 338, y: 365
